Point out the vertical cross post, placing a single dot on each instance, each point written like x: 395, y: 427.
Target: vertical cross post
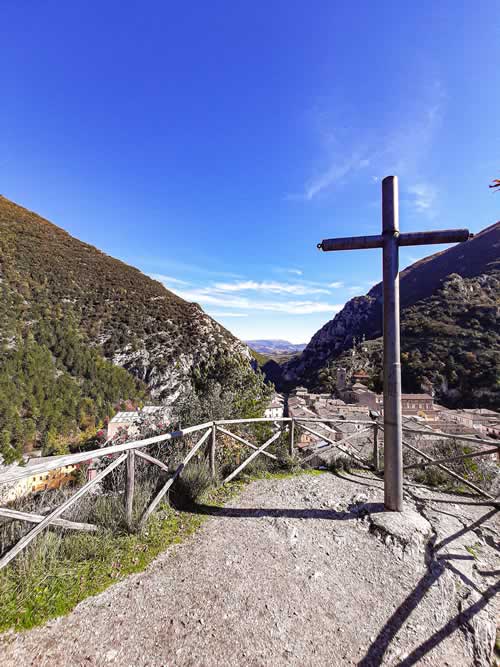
x: 390, y: 241
x: 393, y: 432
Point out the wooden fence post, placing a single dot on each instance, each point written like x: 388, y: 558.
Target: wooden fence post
x: 129, y: 487
x: 376, y: 453
x: 212, y: 450
x: 292, y: 437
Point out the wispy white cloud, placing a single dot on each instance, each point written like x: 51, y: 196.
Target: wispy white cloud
x: 270, y: 286
x: 334, y: 174
x: 423, y: 198
x: 212, y: 298
x: 157, y: 266
x: 401, y: 150
x: 336, y: 285
x: 292, y: 271
x: 404, y: 149
x: 231, y: 295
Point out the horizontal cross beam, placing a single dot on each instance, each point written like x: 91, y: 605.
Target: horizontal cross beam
x: 410, y: 239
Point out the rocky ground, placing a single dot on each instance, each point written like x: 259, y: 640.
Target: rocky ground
x: 300, y: 571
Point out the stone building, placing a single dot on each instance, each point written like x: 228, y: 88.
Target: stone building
x: 411, y: 404
x: 276, y: 407
x: 129, y: 420
x: 53, y: 479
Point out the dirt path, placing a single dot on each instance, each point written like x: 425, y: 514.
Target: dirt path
x: 294, y: 572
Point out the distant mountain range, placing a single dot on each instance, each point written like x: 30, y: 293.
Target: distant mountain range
x: 450, y: 332
x: 275, y: 346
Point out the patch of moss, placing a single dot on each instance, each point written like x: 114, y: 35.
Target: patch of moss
x: 472, y: 550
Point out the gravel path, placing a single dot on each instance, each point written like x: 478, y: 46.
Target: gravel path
x: 294, y: 572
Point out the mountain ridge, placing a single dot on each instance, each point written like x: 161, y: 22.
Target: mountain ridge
x: 63, y: 297
x: 274, y: 346
x: 361, y: 317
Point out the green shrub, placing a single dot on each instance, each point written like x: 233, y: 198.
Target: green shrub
x: 290, y: 463
x: 258, y: 466
x: 481, y: 471
x: 194, y: 481
x: 340, y: 463
x: 433, y: 476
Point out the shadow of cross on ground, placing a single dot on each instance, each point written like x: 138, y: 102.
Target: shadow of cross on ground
x: 446, y: 551
x: 439, y: 559
x: 297, y: 571
x: 353, y: 513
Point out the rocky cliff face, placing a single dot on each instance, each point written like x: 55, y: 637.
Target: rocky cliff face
x: 362, y: 316
x: 354, y: 320
x: 166, y: 364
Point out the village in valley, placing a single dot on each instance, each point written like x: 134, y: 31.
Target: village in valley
x: 335, y: 417
x: 355, y: 402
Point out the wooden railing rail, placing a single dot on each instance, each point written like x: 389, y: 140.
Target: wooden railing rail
x: 238, y: 438
x: 439, y: 462
x: 449, y: 459
x: 126, y: 452
x: 454, y: 436
x: 324, y: 422
x: 260, y: 450
x: 176, y: 474
x: 38, y: 518
x: 336, y: 444
x: 81, y: 457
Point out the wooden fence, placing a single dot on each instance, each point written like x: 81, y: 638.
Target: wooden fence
x: 127, y: 453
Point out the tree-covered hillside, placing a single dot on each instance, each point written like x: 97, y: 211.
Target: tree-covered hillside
x: 450, y: 344
x: 54, y: 388
x: 81, y: 332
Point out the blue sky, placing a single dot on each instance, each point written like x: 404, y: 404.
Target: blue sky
x: 214, y: 144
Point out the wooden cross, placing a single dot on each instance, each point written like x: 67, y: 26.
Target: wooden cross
x: 390, y: 241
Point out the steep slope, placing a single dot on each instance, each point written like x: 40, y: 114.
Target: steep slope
x: 70, y: 300
x: 478, y: 261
